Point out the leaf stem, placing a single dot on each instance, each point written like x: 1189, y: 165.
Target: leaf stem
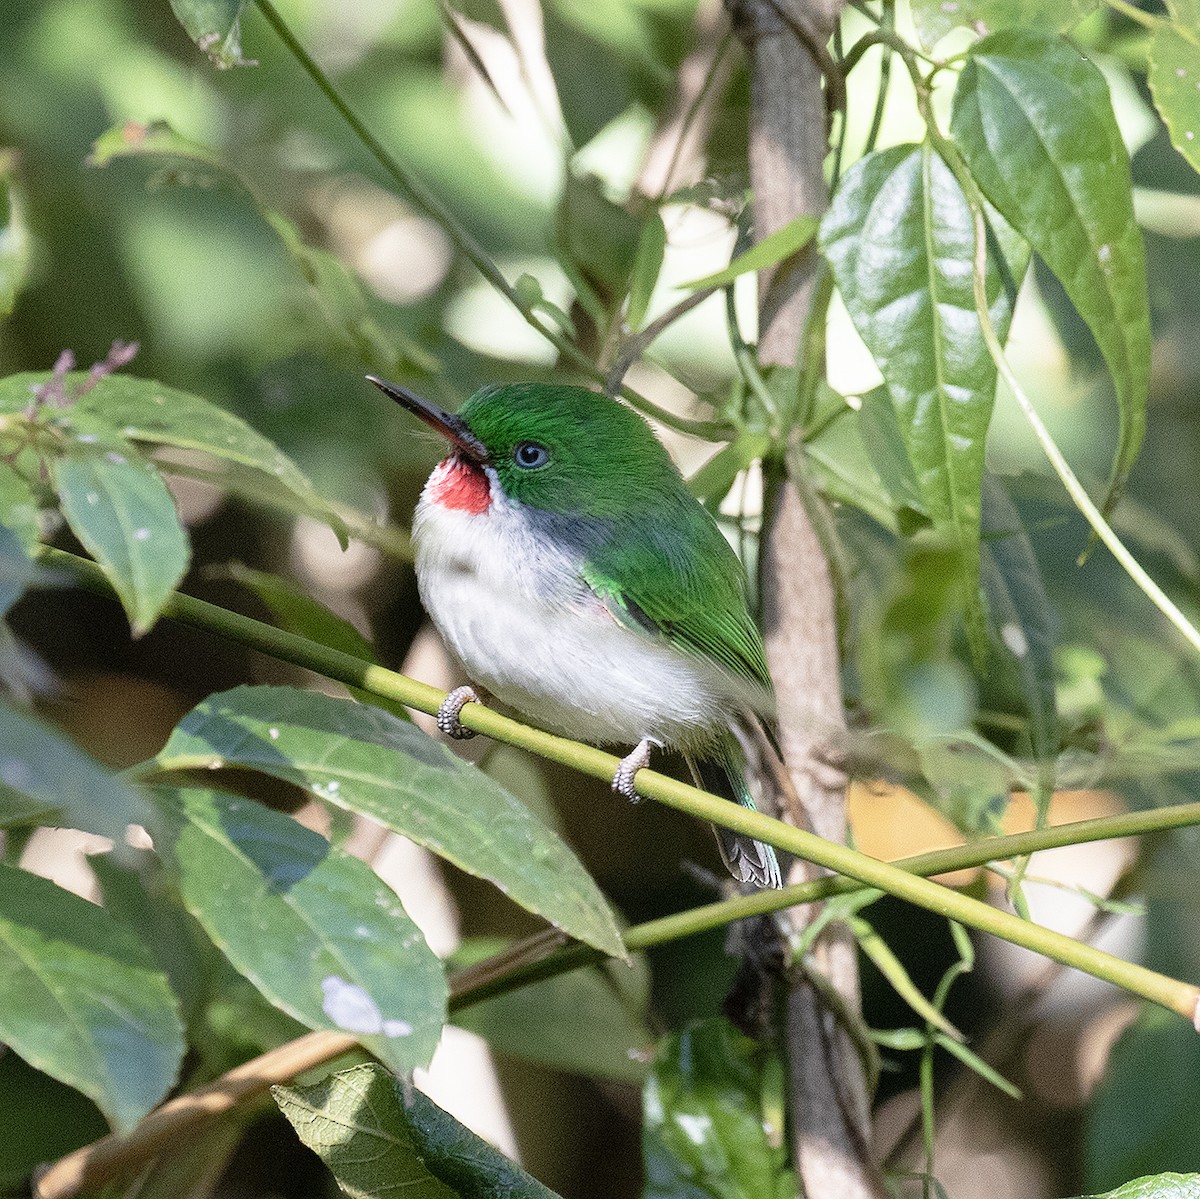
x: 1177, y: 996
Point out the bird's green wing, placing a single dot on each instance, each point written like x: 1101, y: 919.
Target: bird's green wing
x: 671, y: 574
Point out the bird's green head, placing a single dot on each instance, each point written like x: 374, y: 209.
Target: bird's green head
x: 561, y: 449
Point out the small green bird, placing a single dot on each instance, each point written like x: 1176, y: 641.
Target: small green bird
x: 564, y: 562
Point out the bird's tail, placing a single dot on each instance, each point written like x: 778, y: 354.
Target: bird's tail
x: 722, y: 771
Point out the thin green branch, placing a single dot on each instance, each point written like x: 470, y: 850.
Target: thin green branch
x: 428, y: 202
x: 1178, y: 996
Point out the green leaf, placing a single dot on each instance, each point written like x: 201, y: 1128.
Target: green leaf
x: 14, y: 238
x: 215, y: 26
x: 771, y: 251
x: 370, y: 762
x: 971, y: 780
x: 706, y: 1134
x: 1157, y: 1186
x: 646, y: 267
x: 935, y: 18
x: 884, y: 441
x: 597, y: 236
x: 18, y: 507
x: 1034, y: 120
x: 16, y: 569
x: 380, y: 1139
x: 1143, y: 1116
x: 1174, y: 78
x: 47, y: 779
x: 580, y: 1022
x: 120, y: 509
x: 81, y: 999
x: 313, y: 928
x: 901, y: 242
x: 1020, y: 615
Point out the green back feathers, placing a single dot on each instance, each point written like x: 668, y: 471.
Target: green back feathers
x: 652, y: 554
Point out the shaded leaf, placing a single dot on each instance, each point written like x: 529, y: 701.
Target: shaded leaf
x: 769, y: 252
x: 901, y: 242
x: 1157, y: 1186
x: 971, y: 780
x: 1174, y: 78
x: 16, y: 568
x: 379, y: 1139
x: 599, y: 237
x: 1034, y: 120
x: 81, y: 999
x: 370, y: 762
x: 884, y: 441
x: 706, y: 1133
x: 581, y: 1022
x: 935, y: 18
x: 315, y: 929
x: 1020, y: 616
x: 14, y: 238
x: 120, y: 509
x: 215, y: 26
x: 646, y: 267
x: 47, y: 779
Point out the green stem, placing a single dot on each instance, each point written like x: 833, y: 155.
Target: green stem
x: 1180, y: 997
x: 427, y: 201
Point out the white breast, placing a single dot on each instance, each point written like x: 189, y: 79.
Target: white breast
x: 518, y: 615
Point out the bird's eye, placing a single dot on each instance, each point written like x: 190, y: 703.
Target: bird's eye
x: 529, y: 455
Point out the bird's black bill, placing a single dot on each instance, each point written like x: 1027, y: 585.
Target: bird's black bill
x: 453, y: 428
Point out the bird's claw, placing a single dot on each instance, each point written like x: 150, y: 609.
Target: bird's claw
x: 639, y: 759
x: 452, y: 706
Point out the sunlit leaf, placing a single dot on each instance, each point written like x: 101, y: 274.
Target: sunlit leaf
x: 1035, y: 122
x: 379, y: 1139
x: 315, y: 929
x: 81, y: 998
x: 935, y: 18
x: 215, y: 26
x: 45, y: 778
x: 771, y: 251
x: 120, y: 509
x: 706, y: 1129
x: 1157, y: 1186
x: 1174, y: 77
x: 901, y: 242
x: 370, y: 762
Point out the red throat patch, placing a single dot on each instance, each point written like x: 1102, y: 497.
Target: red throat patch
x: 459, y: 483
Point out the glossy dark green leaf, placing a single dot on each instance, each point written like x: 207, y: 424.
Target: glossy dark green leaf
x: 771, y: 251
x: 215, y: 26
x: 370, y: 762
x: 1156, y: 1186
x: 14, y: 238
x: 1034, y: 119
x: 584, y: 1022
x: 1020, y: 615
x: 1174, y: 77
x: 47, y: 779
x: 901, y: 242
x: 18, y: 507
x: 380, y: 1139
x: 707, y: 1132
x: 935, y: 18
x: 120, y: 509
x: 315, y: 929
x: 82, y: 1000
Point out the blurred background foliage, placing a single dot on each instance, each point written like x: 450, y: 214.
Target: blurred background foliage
x: 269, y: 269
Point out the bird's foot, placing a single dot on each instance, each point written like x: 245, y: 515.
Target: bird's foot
x: 622, y: 782
x: 452, y: 706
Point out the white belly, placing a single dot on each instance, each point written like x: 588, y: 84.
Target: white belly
x: 526, y: 627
